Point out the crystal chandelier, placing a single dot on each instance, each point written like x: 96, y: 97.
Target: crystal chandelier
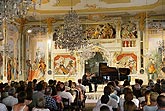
x: 72, y: 36
x: 10, y: 9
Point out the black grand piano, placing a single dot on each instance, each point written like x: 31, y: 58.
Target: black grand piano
x: 113, y: 73
x: 110, y: 74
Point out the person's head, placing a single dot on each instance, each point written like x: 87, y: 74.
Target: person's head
x: 112, y: 83
x: 40, y: 102
x: 128, y: 96
x: 153, y: 96
x: 39, y: 87
x: 51, y: 82
x: 104, y: 108
x: 34, y: 81
x: 11, y: 91
x: 62, y: 86
x: 162, y: 87
x: 107, y: 90
x: 126, y: 83
x: 137, y: 81
x: 73, y: 85
x: 161, y: 101
x: 48, y: 91
x: 129, y: 106
x: 104, y: 99
x: 126, y: 90
x: 79, y: 81
x: 21, y: 96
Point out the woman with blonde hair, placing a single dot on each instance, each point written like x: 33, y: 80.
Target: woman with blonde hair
x: 153, y: 102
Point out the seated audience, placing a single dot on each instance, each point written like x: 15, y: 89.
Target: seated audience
x: 21, y: 106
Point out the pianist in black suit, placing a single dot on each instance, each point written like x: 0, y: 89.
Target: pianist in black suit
x: 86, y: 81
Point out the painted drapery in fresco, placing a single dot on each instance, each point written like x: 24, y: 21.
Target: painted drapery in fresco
x: 64, y: 65
x: 128, y: 60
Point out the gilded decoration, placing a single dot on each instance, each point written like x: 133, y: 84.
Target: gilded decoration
x: 64, y: 65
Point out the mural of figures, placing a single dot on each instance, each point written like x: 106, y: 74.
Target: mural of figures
x: 64, y: 65
x: 128, y: 60
x: 42, y: 69
x: 128, y: 31
x: 28, y: 70
x: 15, y: 68
x: 101, y: 31
x: 9, y: 70
x: 35, y: 70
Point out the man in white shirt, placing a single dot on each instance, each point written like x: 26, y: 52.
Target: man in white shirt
x: 65, y: 94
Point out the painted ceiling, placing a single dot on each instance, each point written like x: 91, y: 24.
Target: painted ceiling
x: 57, y: 8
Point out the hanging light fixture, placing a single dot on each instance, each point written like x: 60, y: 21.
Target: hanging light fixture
x: 72, y: 36
x: 10, y: 9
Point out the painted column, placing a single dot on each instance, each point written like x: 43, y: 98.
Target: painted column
x: 22, y: 51
x: 49, y: 67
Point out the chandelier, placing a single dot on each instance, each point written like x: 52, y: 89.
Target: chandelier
x: 10, y: 9
x: 72, y: 36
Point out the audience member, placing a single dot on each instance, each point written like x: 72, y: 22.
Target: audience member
x: 37, y: 94
x: 129, y: 105
x: 161, y: 103
x: 112, y: 102
x: 11, y: 99
x: 40, y: 105
x: 104, y: 102
x: 153, y: 102
x: 50, y: 102
x: 62, y: 92
x: 21, y: 106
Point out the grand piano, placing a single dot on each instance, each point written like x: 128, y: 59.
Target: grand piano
x: 113, y: 73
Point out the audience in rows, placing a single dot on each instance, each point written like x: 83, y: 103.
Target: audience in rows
x: 39, y: 95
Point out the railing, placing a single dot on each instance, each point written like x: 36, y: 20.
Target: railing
x: 128, y: 42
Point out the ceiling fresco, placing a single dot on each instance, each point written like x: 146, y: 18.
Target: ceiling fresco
x: 57, y: 8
